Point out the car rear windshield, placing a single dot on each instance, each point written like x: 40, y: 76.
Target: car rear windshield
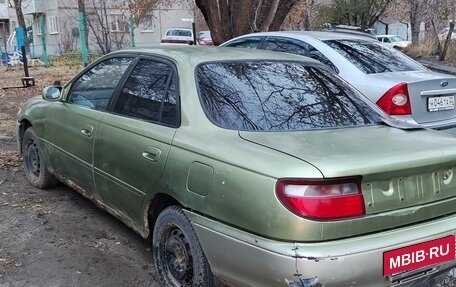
x: 184, y: 33
x: 279, y: 96
x: 372, y: 57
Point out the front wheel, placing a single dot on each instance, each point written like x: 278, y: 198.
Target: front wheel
x: 34, y: 165
x: 178, y: 256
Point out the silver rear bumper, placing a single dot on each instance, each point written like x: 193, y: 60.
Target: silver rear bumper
x: 249, y: 260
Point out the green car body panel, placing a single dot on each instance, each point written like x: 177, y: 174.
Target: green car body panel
x: 226, y: 179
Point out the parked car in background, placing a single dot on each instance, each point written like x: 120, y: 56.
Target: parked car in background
x: 394, y: 41
x: 396, y: 83
x: 178, y: 36
x: 258, y: 168
x: 204, y: 38
x: 444, y: 32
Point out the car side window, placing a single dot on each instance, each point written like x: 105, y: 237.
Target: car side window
x: 95, y: 87
x: 286, y: 45
x: 317, y: 55
x: 299, y: 48
x: 150, y: 93
x: 252, y: 43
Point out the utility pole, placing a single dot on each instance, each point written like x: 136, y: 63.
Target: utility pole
x: 83, y: 33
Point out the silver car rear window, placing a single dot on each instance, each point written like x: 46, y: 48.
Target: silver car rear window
x: 279, y: 96
x: 372, y: 57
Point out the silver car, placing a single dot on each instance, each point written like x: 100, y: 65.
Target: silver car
x: 398, y: 84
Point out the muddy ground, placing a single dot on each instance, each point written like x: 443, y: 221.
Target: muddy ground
x: 56, y: 237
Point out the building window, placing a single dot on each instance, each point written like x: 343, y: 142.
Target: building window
x: 118, y: 23
x: 38, y: 27
x: 147, y: 24
x: 53, y: 27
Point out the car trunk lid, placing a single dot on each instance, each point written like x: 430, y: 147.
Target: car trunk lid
x: 432, y: 95
x: 402, y: 172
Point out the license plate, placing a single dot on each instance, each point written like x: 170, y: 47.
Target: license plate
x: 420, y: 255
x: 440, y: 103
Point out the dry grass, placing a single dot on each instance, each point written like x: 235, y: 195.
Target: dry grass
x: 428, y: 50
x: 11, y: 100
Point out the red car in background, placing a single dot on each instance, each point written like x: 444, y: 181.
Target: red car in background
x: 204, y: 38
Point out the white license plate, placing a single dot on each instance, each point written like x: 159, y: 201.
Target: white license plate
x: 440, y: 103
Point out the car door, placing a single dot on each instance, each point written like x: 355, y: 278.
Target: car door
x: 71, y: 125
x: 133, y: 142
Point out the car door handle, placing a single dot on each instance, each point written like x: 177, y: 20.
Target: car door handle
x: 152, y: 154
x: 87, y: 131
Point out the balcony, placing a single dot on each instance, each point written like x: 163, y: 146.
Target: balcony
x: 4, y: 12
x: 32, y: 6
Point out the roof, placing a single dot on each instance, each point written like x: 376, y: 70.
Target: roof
x: 319, y: 35
x: 387, y: 36
x: 198, y: 54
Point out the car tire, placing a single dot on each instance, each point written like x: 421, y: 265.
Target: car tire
x: 34, y: 165
x: 177, y: 253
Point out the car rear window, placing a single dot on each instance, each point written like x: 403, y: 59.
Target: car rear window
x: 279, y: 96
x: 372, y: 57
x: 184, y: 33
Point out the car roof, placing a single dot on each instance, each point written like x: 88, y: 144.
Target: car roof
x: 319, y: 35
x: 388, y: 36
x: 177, y: 28
x: 196, y: 55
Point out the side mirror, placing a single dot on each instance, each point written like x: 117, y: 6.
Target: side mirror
x: 52, y: 93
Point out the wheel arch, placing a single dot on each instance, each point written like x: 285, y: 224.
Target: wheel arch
x: 155, y: 207
x: 24, y: 124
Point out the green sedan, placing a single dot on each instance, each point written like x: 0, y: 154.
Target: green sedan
x: 250, y: 168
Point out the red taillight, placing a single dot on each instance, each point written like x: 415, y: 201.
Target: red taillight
x: 322, y: 199
x: 396, y: 101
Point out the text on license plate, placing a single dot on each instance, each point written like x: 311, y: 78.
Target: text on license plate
x: 419, y: 255
x: 440, y: 103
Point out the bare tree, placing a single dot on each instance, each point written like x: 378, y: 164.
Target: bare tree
x: 108, y: 30
x: 228, y: 18
x: 67, y: 40
x: 303, y: 16
x: 362, y: 13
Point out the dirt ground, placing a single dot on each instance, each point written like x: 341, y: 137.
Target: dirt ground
x: 56, y: 237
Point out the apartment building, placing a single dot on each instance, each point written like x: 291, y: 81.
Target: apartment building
x: 108, y: 24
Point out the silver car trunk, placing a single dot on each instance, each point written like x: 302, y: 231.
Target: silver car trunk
x: 432, y: 94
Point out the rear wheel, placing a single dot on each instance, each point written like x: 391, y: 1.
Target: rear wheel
x: 34, y: 165
x: 178, y: 256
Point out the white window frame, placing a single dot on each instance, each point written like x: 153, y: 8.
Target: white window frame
x: 53, y: 25
x: 147, y: 24
x: 120, y: 26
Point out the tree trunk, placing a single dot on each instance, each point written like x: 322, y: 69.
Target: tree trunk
x: 81, y: 8
x: 444, y: 51
x: 231, y: 18
x: 415, y: 21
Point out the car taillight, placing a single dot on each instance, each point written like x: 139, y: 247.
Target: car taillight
x: 322, y: 199
x: 396, y: 101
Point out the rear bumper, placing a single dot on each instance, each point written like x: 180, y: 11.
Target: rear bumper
x: 249, y: 260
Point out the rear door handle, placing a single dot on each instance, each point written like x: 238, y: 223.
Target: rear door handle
x: 87, y: 131
x: 152, y: 154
